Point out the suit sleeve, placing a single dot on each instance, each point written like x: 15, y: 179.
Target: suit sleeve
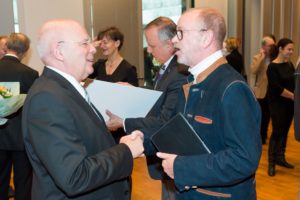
x: 54, y: 138
x: 255, y: 66
x: 159, y: 113
x: 28, y: 79
x: 256, y: 63
x: 297, y: 105
x: 240, y: 156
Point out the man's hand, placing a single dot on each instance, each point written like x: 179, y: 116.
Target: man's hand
x: 114, y: 121
x: 135, y: 143
x: 262, y: 52
x: 167, y: 163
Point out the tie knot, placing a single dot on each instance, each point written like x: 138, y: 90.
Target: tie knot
x: 87, y: 97
x: 162, y: 69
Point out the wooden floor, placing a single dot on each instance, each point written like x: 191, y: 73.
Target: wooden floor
x: 284, y: 186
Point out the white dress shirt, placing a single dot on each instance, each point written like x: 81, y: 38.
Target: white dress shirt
x: 73, y: 82
x: 204, y: 64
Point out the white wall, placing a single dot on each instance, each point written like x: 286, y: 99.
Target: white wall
x: 253, y: 33
x: 126, y: 15
x: 33, y: 13
x: 6, y: 17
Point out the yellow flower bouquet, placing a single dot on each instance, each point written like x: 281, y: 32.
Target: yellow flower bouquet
x: 10, y: 99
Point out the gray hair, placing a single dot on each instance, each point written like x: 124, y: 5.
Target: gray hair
x: 18, y: 42
x: 166, y: 28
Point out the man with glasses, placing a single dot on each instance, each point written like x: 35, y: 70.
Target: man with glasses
x: 223, y: 111
x: 72, y: 153
x: 169, y: 80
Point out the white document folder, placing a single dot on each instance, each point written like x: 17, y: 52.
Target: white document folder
x: 123, y: 100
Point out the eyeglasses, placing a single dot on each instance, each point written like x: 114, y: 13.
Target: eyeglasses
x: 179, y: 33
x: 85, y: 43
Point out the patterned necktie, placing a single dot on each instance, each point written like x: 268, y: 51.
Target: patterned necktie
x: 159, y: 75
x: 87, y: 97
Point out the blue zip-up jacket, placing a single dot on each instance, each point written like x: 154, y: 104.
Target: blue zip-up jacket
x: 225, y: 114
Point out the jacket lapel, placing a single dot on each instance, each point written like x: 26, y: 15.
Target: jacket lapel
x: 171, y: 66
x: 75, y: 94
x: 202, y: 76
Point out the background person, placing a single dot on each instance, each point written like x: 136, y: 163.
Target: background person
x: 297, y: 104
x: 114, y: 68
x: 281, y: 85
x: 3, y: 47
x: 234, y: 58
x: 258, y: 71
x: 12, y: 151
x: 169, y: 80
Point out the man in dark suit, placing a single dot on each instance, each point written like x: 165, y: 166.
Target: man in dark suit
x: 12, y: 151
x: 223, y: 111
x: 169, y: 80
x: 297, y: 104
x: 72, y: 153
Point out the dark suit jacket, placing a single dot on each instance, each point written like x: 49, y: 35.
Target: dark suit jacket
x: 71, y: 151
x: 170, y: 84
x: 226, y: 115
x: 297, y: 105
x: 12, y: 70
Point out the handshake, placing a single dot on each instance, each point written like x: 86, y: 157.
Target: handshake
x: 135, y: 143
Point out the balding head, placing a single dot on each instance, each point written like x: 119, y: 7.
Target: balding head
x: 18, y: 44
x: 200, y: 33
x: 65, y: 45
x: 266, y: 44
x: 211, y: 19
x: 53, y: 32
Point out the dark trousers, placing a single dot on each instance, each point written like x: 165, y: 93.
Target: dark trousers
x: 168, y: 191
x: 22, y: 174
x: 282, y: 116
x: 265, y: 118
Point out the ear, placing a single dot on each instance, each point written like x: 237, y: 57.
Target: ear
x: 117, y: 43
x: 170, y: 44
x: 206, y: 38
x: 58, y: 51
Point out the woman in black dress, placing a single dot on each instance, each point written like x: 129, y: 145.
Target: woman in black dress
x: 114, y: 68
x: 280, y: 93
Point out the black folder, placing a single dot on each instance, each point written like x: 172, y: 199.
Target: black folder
x: 177, y: 136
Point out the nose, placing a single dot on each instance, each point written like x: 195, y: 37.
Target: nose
x: 92, y: 49
x: 174, y: 39
x: 149, y: 49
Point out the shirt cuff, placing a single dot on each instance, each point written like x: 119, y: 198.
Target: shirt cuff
x: 124, y: 126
